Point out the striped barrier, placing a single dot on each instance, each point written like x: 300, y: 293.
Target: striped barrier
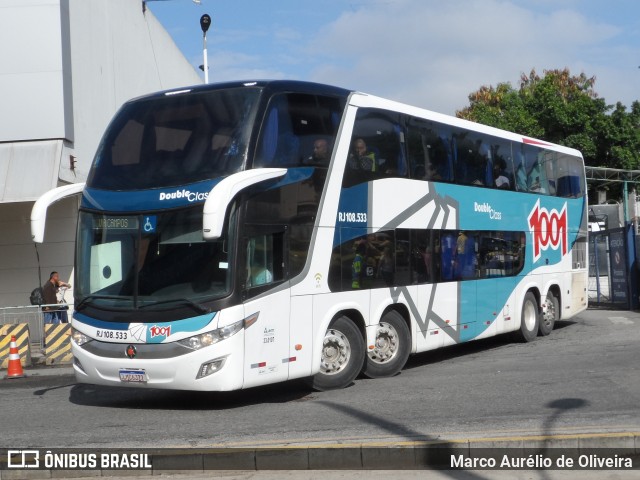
x: 21, y: 332
x: 58, y: 344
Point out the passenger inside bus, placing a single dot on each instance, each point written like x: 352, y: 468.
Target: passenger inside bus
x: 321, y: 153
x: 500, y: 175
x: 363, y: 158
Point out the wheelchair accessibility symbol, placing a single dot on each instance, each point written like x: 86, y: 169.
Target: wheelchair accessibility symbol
x: 149, y: 225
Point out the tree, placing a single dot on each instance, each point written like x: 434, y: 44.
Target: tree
x: 564, y: 109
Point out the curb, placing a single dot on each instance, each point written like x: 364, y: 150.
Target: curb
x: 411, y: 455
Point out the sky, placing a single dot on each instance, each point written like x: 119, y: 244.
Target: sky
x: 428, y: 53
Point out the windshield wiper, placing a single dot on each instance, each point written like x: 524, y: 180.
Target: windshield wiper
x: 85, y: 300
x: 180, y: 301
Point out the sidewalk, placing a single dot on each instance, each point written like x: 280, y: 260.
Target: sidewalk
x: 39, y: 365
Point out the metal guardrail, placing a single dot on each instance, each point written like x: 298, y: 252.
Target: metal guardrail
x: 33, y: 315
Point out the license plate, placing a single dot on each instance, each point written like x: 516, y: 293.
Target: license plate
x: 133, y: 376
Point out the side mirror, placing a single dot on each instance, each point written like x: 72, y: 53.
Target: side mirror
x: 220, y: 196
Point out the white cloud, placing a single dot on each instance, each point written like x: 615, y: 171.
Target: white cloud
x: 433, y: 53
x: 230, y: 66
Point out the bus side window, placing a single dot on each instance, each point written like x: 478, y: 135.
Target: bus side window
x: 446, y: 250
x: 265, y: 261
x: 502, y: 164
x: 428, y: 151
x: 278, y: 146
x: 422, y: 257
x: 521, y: 170
x: 569, y: 172
x: 536, y: 170
x: 377, y: 147
x: 501, y: 254
x: 472, y: 165
x: 465, y: 259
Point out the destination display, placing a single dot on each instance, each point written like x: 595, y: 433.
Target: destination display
x: 116, y: 223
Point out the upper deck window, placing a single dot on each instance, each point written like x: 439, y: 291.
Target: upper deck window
x: 176, y: 140
x: 298, y: 130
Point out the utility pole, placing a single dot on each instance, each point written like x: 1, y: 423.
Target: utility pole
x: 205, y: 22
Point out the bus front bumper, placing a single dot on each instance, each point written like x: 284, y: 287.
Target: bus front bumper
x: 218, y: 367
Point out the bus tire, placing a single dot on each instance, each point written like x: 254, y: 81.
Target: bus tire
x: 392, y: 347
x: 342, y: 356
x: 529, y: 319
x: 552, y: 313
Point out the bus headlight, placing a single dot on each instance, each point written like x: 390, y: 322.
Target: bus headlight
x: 209, y: 338
x: 79, y: 338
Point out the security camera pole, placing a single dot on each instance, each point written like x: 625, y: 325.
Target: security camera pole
x: 205, y: 22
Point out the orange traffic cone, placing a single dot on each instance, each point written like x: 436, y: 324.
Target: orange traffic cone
x: 15, y: 367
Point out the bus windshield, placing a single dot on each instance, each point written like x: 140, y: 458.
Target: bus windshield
x: 176, y: 140
x: 149, y: 261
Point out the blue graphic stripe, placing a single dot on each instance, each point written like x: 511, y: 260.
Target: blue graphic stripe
x: 100, y: 323
x: 188, y: 325
x: 152, y: 199
x: 171, y: 197
x: 353, y: 212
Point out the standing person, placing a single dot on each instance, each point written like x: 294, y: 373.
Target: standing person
x: 49, y: 290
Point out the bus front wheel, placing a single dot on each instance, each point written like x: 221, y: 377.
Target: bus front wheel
x: 530, y: 318
x: 391, y: 348
x: 552, y: 313
x: 342, y: 356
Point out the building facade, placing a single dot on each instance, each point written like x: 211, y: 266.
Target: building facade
x: 66, y: 66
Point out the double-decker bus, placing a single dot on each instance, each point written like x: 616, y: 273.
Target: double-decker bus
x: 241, y: 234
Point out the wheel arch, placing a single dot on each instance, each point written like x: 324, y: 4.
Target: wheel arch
x: 536, y: 293
x: 355, y: 316
x: 403, y: 311
x: 555, y: 289
x: 538, y: 296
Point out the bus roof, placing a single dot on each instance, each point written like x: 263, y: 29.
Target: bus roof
x: 272, y: 85
x: 361, y: 99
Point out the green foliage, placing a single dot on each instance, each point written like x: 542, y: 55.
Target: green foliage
x: 564, y: 109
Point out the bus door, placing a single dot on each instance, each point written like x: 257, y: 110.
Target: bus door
x: 490, y: 268
x: 457, y: 258
x: 500, y: 259
x: 266, y: 295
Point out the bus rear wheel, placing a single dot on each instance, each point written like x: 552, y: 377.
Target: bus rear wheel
x: 342, y: 356
x: 530, y: 318
x: 552, y: 313
x: 392, y: 346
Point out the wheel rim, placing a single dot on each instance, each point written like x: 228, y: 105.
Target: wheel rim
x: 386, y: 345
x: 550, y: 312
x: 530, y: 316
x: 336, y: 352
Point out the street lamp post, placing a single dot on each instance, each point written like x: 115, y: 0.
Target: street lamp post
x: 205, y: 22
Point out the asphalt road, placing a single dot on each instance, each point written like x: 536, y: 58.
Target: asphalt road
x: 583, y: 378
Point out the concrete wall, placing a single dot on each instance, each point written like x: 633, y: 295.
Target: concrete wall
x: 31, y: 71
x: 66, y: 66
x: 19, y: 266
x: 117, y: 53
